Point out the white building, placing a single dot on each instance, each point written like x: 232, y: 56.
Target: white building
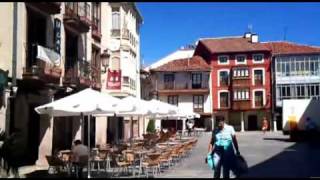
x: 184, y: 52
x: 296, y: 74
x: 186, y: 83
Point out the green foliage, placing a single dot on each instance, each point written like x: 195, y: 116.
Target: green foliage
x: 151, y: 128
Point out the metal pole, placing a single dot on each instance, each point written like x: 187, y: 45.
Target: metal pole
x: 89, y: 174
x: 131, y: 134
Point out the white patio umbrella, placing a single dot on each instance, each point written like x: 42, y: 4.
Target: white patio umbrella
x: 160, y: 108
x: 142, y: 108
x: 182, y: 114
x: 86, y: 102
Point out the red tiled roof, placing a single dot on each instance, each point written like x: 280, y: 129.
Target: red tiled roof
x: 232, y: 44
x: 195, y: 63
x: 283, y: 47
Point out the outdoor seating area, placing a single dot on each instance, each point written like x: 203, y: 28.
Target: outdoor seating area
x: 147, y: 158
x: 154, y: 153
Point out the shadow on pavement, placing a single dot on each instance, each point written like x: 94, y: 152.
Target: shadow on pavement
x: 298, y: 160
x: 44, y: 174
x: 279, y: 139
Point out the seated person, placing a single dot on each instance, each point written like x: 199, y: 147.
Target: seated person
x: 79, y: 150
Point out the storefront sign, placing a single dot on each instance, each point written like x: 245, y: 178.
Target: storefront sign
x: 57, y: 35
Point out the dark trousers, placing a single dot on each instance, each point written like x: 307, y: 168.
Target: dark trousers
x: 226, y: 162
x: 189, y: 131
x: 79, y: 169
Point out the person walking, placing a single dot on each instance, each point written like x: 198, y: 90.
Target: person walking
x: 265, y: 125
x: 222, y: 141
x: 190, y: 127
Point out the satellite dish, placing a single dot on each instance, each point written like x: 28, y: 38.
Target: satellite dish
x: 114, y: 45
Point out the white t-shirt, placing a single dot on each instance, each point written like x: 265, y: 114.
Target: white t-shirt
x: 224, y: 137
x: 189, y: 125
x: 79, y: 150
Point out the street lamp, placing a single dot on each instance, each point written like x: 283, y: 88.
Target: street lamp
x: 105, y: 56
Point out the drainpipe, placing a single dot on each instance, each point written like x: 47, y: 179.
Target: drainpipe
x: 273, y: 96
x: 9, y: 116
x: 14, y: 44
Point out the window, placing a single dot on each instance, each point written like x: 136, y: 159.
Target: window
x: 168, y: 81
x: 173, y: 100
x: 258, y: 58
x: 298, y: 66
x: 115, y: 18
x: 241, y: 59
x: 258, y: 98
x: 242, y: 94
x: 241, y: 73
x: 258, y: 77
x: 224, y: 99
x: 224, y: 78
x: 96, y: 16
x: 115, y: 63
x: 126, y: 81
x: 198, y: 103
x: 196, y: 80
x: 223, y: 60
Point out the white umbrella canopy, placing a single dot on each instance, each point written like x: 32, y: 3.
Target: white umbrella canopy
x: 183, y: 113
x: 160, y: 108
x: 85, y: 102
x: 142, y: 107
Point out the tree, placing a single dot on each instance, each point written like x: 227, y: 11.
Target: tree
x: 151, y: 126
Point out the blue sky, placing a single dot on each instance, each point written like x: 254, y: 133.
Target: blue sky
x: 168, y: 26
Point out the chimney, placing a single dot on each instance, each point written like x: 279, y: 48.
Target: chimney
x: 254, y: 38
x: 247, y: 35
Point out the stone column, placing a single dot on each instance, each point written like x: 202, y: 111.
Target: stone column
x: 242, y: 122
x: 212, y: 122
x: 275, y: 123
x: 77, y: 124
x: 101, y: 130
x: 183, y: 124
x: 46, y: 138
x: 4, y: 123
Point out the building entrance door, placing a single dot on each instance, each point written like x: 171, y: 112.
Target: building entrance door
x: 33, y: 141
x: 252, y: 122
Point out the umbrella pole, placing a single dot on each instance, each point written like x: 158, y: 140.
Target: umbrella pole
x: 131, y: 131
x: 89, y: 174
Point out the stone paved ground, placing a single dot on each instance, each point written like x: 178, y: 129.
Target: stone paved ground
x: 269, y: 155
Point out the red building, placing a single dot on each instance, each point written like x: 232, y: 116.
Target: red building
x: 241, y: 81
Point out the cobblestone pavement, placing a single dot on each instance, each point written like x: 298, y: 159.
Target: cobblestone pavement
x: 269, y: 155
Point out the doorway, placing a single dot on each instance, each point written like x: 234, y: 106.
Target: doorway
x: 71, y: 50
x: 115, y: 129
x: 36, y: 34
x: 33, y: 141
x: 252, y: 122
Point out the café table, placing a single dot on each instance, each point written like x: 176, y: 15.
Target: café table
x: 141, y: 154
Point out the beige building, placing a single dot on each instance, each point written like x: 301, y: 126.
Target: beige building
x: 122, y: 77
x: 51, y: 50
